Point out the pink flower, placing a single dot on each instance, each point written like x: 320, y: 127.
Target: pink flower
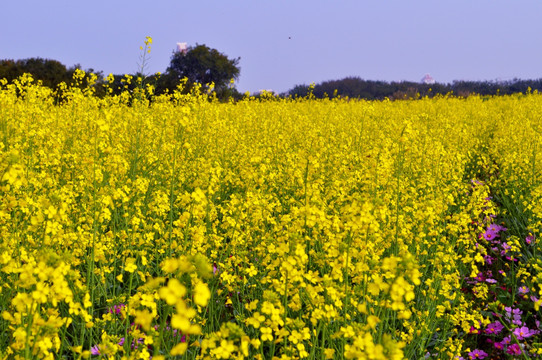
x: 494, y: 328
x: 95, y: 350
x: 522, y: 332
x: 514, y: 349
x: 116, y: 309
x: 477, y: 354
x: 492, y: 227
x: 490, y: 235
x: 505, y: 248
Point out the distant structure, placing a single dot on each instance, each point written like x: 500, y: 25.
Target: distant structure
x: 182, y: 47
x: 265, y: 91
x: 428, y: 79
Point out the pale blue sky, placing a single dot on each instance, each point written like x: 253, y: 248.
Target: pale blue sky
x: 389, y: 40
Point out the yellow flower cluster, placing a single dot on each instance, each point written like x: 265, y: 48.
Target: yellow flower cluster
x: 159, y: 226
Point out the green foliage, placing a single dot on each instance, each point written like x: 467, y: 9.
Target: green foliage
x: 203, y: 65
x: 50, y: 72
x: 355, y: 87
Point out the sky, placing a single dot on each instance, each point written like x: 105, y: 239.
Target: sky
x: 286, y: 43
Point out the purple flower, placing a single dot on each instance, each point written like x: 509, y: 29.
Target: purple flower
x: 490, y: 235
x: 477, y: 354
x: 505, y: 248
x: 116, y: 309
x: 514, y: 349
x: 488, y: 259
x: 523, y: 290
x: 529, y: 239
x: 514, y: 315
x: 495, y: 228
x: 494, y: 328
x: 491, y: 281
x: 523, y: 332
x: 95, y: 350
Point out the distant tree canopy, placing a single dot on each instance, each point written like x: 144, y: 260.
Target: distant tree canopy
x: 355, y: 87
x: 201, y: 64
x: 50, y: 72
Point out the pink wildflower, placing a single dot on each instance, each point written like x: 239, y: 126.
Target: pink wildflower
x: 514, y: 349
x: 95, y: 350
x: 494, y: 328
x: 523, y: 332
x: 477, y: 354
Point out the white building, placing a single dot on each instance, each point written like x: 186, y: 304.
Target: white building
x: 428, y: 79
x: 182, y: 47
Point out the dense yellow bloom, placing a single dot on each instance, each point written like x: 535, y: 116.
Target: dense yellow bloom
x: 130, y: 265
x: 143, y: 318
x: 201, y: 294
x: 173, y: 292
x: 266, y: 334
x: 263, y: 224
x: 179, y: 349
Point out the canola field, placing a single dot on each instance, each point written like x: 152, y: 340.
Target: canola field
x: 185, y: 228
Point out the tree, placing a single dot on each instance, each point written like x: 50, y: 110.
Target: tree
x: 201, y: 64
x: 50, y: 72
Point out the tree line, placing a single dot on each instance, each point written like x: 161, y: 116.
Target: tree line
x: 355, y: 87
x: 200, y: 66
